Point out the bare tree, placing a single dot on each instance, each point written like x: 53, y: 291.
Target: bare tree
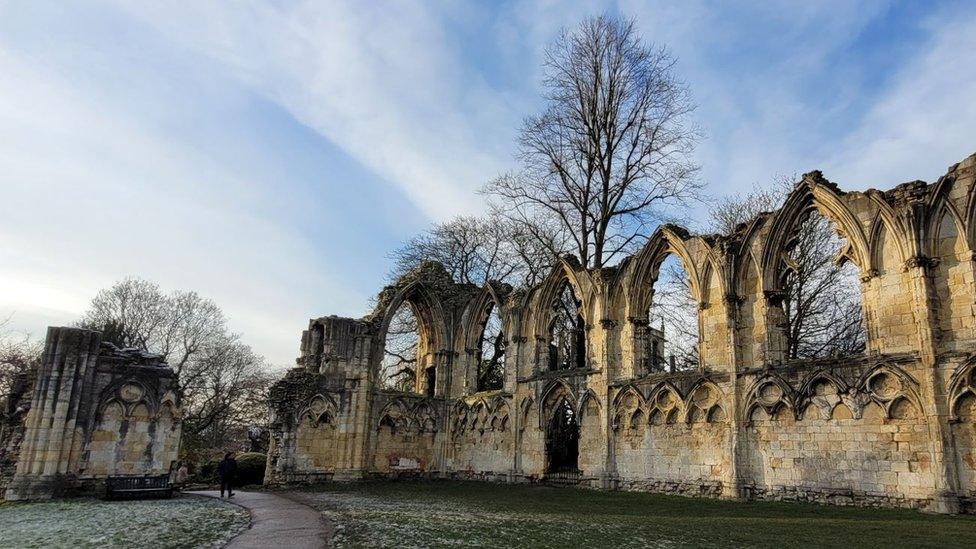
x: 477, y: 250
x: 612, y: 146
x: 491, y: 354
x: 398, y: 370
x: 19, y: 360
x: 674, y: 311
x: 822, y: 290
x: 221, y: 379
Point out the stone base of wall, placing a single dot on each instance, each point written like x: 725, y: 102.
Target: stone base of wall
x: 43, y: 487
x: 485, y: 476
x: 712, y: 489
x: 709, y: 489
x: 292, y: 479
x: 831, y: 497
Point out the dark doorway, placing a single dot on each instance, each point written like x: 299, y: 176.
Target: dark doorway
x: 431, y: 380
x: 562, y: 441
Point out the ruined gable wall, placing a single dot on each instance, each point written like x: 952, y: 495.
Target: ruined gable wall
x: 96, y: 411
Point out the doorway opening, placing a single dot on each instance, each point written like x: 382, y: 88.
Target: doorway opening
x: 562, y: 441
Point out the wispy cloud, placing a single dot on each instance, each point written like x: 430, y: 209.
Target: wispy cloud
x: 270, y: 154
x: 383, y: 82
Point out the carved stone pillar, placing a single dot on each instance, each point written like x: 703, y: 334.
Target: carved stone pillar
x: 734, y: 480
x: 63, y: 380
x: 945, y: 499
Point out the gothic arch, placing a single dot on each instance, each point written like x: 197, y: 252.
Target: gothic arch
x: 971, y: 218
x: 884, y: 228
x: 525, y: 410
x: 962, y: 384
x: 812, y: 392
x: 771, y: 394
x: 812, y: 193
x: 886, y: 385
x: 113, y: 393
x: 432, y: 331
x: 552, y: 397
x: 321, y: 408
x: 472, y: 320
x: 666, y: 240
x: 566, y: 270
x: 490, y: 300
x: 665, y: 405
x: 712, y: 267
x: 588, y: 396
x: 624, y: 392
x: 396, y: 415
x: 427, y: 308
x: 705, y: 402
x: 934, y: 229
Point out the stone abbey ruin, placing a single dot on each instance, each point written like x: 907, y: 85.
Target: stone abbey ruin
x: 582, y: 397
x: 96, y: 411
x: 582, y: 393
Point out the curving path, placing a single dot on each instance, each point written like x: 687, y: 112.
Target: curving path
x: 277, y: 522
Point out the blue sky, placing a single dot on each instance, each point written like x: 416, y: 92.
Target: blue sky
x: 270, y: 155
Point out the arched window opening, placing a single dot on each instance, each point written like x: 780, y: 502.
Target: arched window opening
x: 567, y: 332
x: 562, y: 440
x: 955, y: 311
x: 491, y: 353
x: 821, y: 293
x: 401, y: 352
x: 672, y: 321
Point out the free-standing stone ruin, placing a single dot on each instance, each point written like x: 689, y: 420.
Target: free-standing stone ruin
x: 96, y: 411
x: 579, y: 403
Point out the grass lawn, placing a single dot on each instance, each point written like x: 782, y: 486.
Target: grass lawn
x: 452, y: 514
x: 179, y: 522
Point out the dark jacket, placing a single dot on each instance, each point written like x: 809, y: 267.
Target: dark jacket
x: 227, y: 468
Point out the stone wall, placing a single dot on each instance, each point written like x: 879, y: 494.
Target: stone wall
x: 893, y: 426
x: 96, y: 411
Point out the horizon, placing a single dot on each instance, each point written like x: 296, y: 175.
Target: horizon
x: 271, y: 158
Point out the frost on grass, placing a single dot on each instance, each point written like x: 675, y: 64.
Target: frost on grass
x: 414, y: 521
x: 407, y: 514
x: 179, y: 522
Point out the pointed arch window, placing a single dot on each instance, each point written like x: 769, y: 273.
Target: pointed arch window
x: 672, y: 320
x: 491, y: 352
x: 401, y: 351
x: 567, y: 332
x: 820, y: 292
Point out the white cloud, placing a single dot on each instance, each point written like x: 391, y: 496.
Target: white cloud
x: 925, y: 121
x: 96, y: 186
x: 91, y: 194
x: 383, y: 82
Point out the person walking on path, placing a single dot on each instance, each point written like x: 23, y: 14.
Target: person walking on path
x: 182, y: 474
x: 226, y: 470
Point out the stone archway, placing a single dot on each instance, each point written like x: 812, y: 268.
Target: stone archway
x: 562, y: 441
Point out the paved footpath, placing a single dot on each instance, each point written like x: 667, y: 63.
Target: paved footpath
x: 277, y: 522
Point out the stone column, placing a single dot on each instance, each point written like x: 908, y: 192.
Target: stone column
x: 66, y: 372
x: 934, y: 402
x: 733, y: 490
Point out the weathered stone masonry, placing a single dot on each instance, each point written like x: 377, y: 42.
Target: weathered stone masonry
x: 96, y: 411
x: 892, y: 427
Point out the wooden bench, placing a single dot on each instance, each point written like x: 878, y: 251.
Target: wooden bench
x: 138, y: 486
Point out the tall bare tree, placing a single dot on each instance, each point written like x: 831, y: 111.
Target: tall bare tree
x: 612, y: 146
x: 221, y: 379
x: 398, y: 370
x: 674, y: 311
x: 477, y: 250
x: 823, y: 293
x: 19, y: 359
